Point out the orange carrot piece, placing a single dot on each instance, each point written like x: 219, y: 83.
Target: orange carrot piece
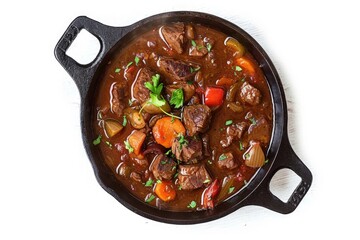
x: 136, y: 139
x: 246, y: 65
x: 165, y: 191
x: 166, y: 129
x: 224, y: 81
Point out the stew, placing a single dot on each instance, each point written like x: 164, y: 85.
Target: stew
x: 183, y: 117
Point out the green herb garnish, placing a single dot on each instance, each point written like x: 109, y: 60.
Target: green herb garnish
x: 155, y: 87
x: 228, y: 122
x: 182, y: 140
x: 241, y: 146
x: 109, y: 144
x: 192, y: 204
x: 169, y: 152
x: 193, y: 43
x: 222, y: 157
x: 247, y: 156
x: 238, y: 68
x: 150, y: 198
x: 129, y: 64
x: 117, y: 70
x: 252, y: 120
x: 124, y: 121
x: 158, y: 181
x: 130, y: 102
x: 136, y: 59
x: 231, y: 189
x: 97, y: 140
x: 128, y: 146
x: 208, y: 47
x: 177, y: 98
x: 206, y: 181
x: 149, y: 183
x: 266, y: 161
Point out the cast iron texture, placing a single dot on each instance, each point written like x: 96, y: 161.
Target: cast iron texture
x: 87, y: 78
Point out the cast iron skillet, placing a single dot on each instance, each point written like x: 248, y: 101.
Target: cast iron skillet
x: 87, y: 78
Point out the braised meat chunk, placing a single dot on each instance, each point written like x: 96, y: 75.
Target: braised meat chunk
x: 175, y: 70
x: 197, y: 118
x: 250, y: 94
x: 187, y: 150
x: 227, y: 161
x: 233, y: 132
x: 163, y: 167
x: 193, y: 176
x: 173, y: 35
x: 260, y: 130
x: 139, y: 91
x: 118, y: 95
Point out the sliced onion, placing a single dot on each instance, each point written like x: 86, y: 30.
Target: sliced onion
x: 234, y: 44
x: 254, y: 156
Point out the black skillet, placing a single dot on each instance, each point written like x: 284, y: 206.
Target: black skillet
x: 87, y: 78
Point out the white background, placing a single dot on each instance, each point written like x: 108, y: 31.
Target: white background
x: 47, y: 186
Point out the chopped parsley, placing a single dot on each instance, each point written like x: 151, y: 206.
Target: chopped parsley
x: 150, y: 198
x: 124, y: 121
x: 182, y: 140
x: 192, y: 204
x: 241, y: 146
x: 149, y: 183
x: 158, y: 181
x: 247, y: 156
x: 155, y: 87
x: 222, y: 157
x: 209, y: 162
x: 266, y: 161
x: 194, y: 69
x: 169, y: 152
x: 207, y: 181
x: 109, y: 144
x: 231, y: 189
x: 129, y: 64
x: 128, y: 146
x: 154, y: 100
x: 252, y: 120
x: 228, y: 122
x: 130, y: 102
x: 208, y: 47
x: 136, y: 59
x: 117, y: 70
x: 238, y: 68
x: 243, y: 79
x: 193, y: 43
x: 97, y: 140
x: 177, y: 98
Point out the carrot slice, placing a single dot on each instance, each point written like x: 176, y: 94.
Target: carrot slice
x: 165, y: 191
x: 136, y: 139
x: 246, y: 65
x: 166, y: 129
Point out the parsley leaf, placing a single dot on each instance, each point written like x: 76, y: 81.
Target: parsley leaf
x: 208, y: 47
x: 117, y: 70
x: 253, y: 120
x: 192, y: 204
x: 149, y: 183
x: 155, y: 87
x: 228, y: 122
x: 124, y: 121
x: 241, y: 146
x: 150, y: 198
x: 182, y: 140
x: 238, y: 68
x: 136, y: 59
x: 129, y: 64
x: 193, y: 43
x: 156, y: 101
x: 222, y: 157
x: 177, y: 98
x: 97, y: 140
x: 128, y: 146
x: 231, y: 189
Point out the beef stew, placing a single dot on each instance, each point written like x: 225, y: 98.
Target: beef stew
x: 184, y: 117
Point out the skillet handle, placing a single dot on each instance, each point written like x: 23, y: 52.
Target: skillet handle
x: 286, y: 158
x: 107, y: 36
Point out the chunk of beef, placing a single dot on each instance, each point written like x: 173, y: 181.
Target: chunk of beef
x: 163, y: 167
x: 233, y: 132
x: 190, y: 32
x: 260, y: 131
x: 197, y: 118
x: 188, y: 90
x: 227, y: 161
x: 173, y: 36
x: 250, y: 94
x: 193, y: 176
x: 175, y: 70
x: 139, y: 91
x: 201, y: 47
x: 187, y: 150
x: 118, y: 94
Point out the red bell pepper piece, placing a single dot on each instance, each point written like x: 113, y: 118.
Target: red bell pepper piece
x: 210, y: 193
x: 214, y: 96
